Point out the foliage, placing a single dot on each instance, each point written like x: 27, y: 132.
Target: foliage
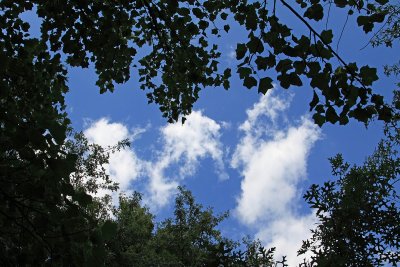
x: 34, y: 170
x: 339, y: 93
x: 44, y: 215
x: 389, y: 33
x: 47, y: 215
x: 90, y: 173
x: 173, y: 46
x: 130, y: 246
x: 359, y: 213
x: 190, y: 238
x: 255, y: 254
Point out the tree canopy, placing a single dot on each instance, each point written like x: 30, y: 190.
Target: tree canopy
x: 47, y: 213
x: 172, y: 46
x: 189, y: 238
x: 359, y: 212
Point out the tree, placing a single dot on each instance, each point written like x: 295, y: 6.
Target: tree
x: 345, y: 89
x: 34, y: 169
x: 48, y: 217
x: 389, y: 33
x: 189, y: 238
x: 131, y: 244
x: 46, y: 214
x: 181, y: 56
x: 359, y: 213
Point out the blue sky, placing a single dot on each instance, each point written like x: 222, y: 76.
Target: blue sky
x: 240, y: 151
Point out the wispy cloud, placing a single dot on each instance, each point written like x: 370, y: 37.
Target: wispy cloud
x: 124, y: 165
x: 181, y: 149
x: 272, y: 158
x: 184, y: 145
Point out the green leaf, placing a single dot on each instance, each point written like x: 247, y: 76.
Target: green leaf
x: 183, y: 11
x: 249, y: 82
x: 226, y: 28
x: 58, y: 132
x: 294, y: 79
x: 314, y: 101
x: 382, y: 2
x: 368, y: 75
x: 319, y: 119
x: 331, y: 115
x: 365, y: 22
x: 341, y: 3
x: 244, y: 72
x: 198, y: 13
x: 108, y: 230
x: 203, y: 24
x: 314, y: 68
x: 255, y: 45
x: 82, y: 198
x: 264, y: 85
x: 315, y: 12
x: 224, y: 16
x: 344, y: 119
x: 251, y: 20
x: 284, y: 81
x: 360, y: 114
x: 264, y: 63
x: 385, y: 114
x: 98, y: 255
x: 172, y: 6
x: 327, y: 36
x: 378, y: 17
x: 241, y: 50
x: 377, y: 99
x: 284, y: 65
x: 299, y: 66
x: 227, y: 73
x: 320, y: 81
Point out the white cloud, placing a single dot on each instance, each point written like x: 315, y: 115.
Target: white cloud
x: 286, y: 234
x: 230, y: 56
x: 272, y: 158
x: 124, y: 166
x: 184, y: 145
x: 182, y: 148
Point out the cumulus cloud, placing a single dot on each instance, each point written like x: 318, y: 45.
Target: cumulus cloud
x: 272, y: 158
x: 124, y: 166
x: 181, y: 149
x: 184, y: 145
x: 230, y: 54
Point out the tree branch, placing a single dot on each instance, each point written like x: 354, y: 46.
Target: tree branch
x: 322, y: 40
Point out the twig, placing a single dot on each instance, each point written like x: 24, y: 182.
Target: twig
x: 322, y: 40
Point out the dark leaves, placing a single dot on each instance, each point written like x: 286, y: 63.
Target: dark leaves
x: 249, y: 82
x: 241, y: 50
x: 108, y: 229
x: 264, y: 85
x: 315, y: 12
x: 357, y: 211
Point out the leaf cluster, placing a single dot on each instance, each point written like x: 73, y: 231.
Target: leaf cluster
x: 359, y: 212
x: 190, y: 238
x: 172, y: 46
x: 340, y: 92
